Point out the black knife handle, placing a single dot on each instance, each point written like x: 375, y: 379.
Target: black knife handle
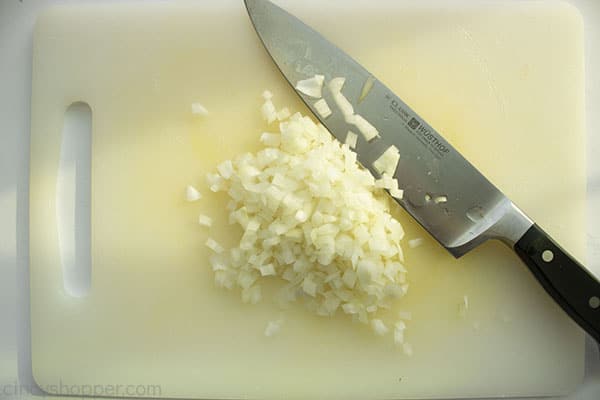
x: 567, y: 281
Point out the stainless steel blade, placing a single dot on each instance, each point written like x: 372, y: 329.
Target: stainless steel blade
x: 430, y: 168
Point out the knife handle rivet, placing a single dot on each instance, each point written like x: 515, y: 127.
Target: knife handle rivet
x: 547, y: 256
x: 594, y: 302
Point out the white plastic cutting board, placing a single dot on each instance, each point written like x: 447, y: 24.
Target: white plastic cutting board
x: 503, y: 82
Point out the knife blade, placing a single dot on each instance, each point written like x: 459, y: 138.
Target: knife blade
x: 430, y: 168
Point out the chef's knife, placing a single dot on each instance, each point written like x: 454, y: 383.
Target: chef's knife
x: 474, y: 210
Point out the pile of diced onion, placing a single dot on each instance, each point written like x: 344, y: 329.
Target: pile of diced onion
x: 312, y: 219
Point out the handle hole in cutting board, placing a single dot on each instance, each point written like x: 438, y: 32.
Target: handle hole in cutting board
x: 73, y: 199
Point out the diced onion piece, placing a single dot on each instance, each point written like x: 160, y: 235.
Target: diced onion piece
x: 214, y: 246
x: 388, y: 161
x: 397, y: 193
x: 312, y: 86
x: 251, y: 295
x: 331, y: 303
x: 267, y: 270
x: 400, y: 325
x: 405, y: 315
x: 217, y: 263
x: 192, y: 194
x: 309, y: 287
x: 225, y: 169
x: 349, y: 278
x: 344, y: 105
x: 412, y: 243
x: 440, y: 199
x: 283, y: 114
x: 268, y: 111
x: 216, y: 183
x: 322, y: 108
x: 273, y: 327
x: 351, y: 139
x: 224, y: 279
x: 399, y: 328
x: 407, y: 349
x: 246, y: 279
x: 301, y: 216
x: 398, y: 336
x: 368, y: 131
x: 270, y: 139
x: 252, y: 226
x: 205, y: 220
x: 404, y: 288
x: 199, y: 109
x: 365, y: 271
x: 349, y: 308
x: 392, y: 186
x: 386, y: 182
x: 335, y: 85
x: 267, y: 95
x: 379, y: 327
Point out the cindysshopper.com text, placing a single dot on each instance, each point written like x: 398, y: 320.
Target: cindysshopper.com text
x: 118, y: 390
